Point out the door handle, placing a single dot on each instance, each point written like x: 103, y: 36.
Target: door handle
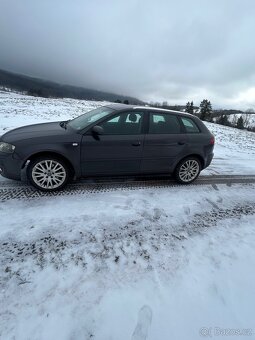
x: 136, y: 143
x: 181, y: 142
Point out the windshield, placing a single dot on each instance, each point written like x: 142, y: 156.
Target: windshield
x: 85, y: 120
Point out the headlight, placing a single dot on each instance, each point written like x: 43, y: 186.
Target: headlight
x: 6, y: 147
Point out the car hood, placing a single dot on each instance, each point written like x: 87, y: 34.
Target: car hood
x: 34, y: 131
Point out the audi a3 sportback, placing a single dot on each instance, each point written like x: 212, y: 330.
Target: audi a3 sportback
x: 116, y: 139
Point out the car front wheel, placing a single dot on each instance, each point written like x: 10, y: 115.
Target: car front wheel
x: 48, y: 173
x: 188, y: 170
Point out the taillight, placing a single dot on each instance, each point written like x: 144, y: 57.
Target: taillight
x: 212, y: 140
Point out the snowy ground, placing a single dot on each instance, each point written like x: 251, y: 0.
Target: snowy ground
x: 17, y: 110
x: 234, y: 151
x: 175, y: 263
x: 171, y: 261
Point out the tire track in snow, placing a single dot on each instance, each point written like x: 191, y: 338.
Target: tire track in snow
x: 9, y: 191
x: 127, y: 243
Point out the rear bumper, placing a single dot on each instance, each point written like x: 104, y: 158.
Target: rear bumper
x: 10, y: 166
x: 208, y: 160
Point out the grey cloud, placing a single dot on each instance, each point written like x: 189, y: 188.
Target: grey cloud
x: 150, y: 49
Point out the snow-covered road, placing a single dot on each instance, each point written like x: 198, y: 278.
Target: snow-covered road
x: 83, y: 267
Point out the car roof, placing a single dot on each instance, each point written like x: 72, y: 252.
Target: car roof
x: 120, y: 106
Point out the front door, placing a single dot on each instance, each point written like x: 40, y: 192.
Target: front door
x: 164, y: 143
x: 118, y: 150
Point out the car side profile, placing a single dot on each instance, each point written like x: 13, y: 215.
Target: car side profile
x: 116, y: 139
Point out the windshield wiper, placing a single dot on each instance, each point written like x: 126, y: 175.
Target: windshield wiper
x: 64, y: 123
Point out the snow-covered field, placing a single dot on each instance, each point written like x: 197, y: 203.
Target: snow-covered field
x: 17, y: 110
x: 234, y: 151
x: 166, y: 263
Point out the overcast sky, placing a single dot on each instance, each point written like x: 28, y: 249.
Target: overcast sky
x: 154, y: 50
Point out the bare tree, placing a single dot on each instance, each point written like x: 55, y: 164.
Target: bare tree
x: 234, y: 120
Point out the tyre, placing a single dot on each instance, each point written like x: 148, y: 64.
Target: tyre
x: 48, y: 173
x: 188, y: 170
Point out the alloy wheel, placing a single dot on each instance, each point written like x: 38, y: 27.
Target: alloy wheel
x: 189, y: 170
x: 49, y: 174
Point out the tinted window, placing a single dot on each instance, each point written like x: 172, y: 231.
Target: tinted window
x: 190, y: 126
x: 164, y: 123
x: 127, y: 123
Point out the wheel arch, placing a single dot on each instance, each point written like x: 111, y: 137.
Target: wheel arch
x: 53, y: 154
x: 199, y: 157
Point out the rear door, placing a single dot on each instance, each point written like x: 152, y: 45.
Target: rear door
x: 118, y: 150
x: 164, y: 143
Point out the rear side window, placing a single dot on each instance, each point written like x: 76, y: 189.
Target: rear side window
x: 164, y: 123
x: 190, y: 126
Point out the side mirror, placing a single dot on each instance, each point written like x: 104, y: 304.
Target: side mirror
x: 97, y: 130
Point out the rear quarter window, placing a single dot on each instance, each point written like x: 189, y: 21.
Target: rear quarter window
x: 190, y: 125
x: 164, y: 123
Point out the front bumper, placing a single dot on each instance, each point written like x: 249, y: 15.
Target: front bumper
x: 10, y: 166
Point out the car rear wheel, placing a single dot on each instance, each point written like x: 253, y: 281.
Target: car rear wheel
x: 48, y: 173
x: 188, y: 170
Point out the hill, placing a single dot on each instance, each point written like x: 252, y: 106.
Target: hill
x: 44, y: 88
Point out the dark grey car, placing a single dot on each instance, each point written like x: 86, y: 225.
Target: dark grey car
x: 112, y: 140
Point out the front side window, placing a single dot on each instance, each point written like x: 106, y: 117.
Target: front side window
x: 85, y: 120
x: 164, y: 123
x: 189, y: 125
x: 126, y: 123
